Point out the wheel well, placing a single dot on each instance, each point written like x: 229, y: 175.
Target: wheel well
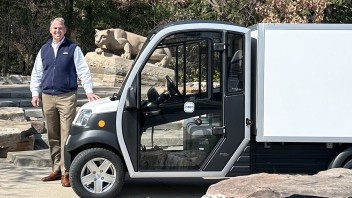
x: 75, y: 152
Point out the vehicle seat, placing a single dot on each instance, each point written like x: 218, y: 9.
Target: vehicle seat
x: 152, y: 96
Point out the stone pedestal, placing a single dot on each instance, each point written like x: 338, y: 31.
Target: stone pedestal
x: 110, y: 70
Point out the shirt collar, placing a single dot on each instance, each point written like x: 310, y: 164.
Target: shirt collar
x: 59, y: 43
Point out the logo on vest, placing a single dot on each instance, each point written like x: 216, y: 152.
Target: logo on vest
x: 65, y: 53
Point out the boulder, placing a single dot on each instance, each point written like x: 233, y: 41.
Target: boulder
x: 7, y: 103
x: 330, y: 183
x: 12, y: 113
x: 39, y: 126
x: 110, y: 70
x: 15, y: 135
x: 157, y: 158
x: 153, y: 159
x: 14, y: 79
x: 185, y: 159
x: 18, y: 79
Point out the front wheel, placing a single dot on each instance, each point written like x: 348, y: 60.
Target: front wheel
x: 97, y: 172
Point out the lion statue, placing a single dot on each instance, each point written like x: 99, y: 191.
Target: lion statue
x: 127, y: 44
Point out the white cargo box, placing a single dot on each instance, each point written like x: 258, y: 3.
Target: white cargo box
x: 303, y: 82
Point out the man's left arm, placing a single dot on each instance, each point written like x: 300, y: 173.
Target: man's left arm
x: 83, y: 74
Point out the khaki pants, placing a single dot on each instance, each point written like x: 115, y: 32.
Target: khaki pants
x: 59, y: 112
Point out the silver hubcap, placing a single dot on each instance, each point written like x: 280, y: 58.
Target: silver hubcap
x: 98, y: 175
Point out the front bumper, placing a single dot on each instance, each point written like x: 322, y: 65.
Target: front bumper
x: 84, y: 137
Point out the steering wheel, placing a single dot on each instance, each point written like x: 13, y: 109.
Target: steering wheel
x: 171, y: 87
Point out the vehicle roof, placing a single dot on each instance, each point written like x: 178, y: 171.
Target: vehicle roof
x: 182, y: 22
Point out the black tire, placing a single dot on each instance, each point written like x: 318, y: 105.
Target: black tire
x: 88, y: 165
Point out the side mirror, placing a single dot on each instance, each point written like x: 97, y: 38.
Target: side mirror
x: 131, y: 101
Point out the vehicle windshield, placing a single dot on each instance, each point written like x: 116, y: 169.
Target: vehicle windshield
x: 150, y: 36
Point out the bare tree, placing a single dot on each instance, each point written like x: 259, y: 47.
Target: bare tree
x: 296, y: 11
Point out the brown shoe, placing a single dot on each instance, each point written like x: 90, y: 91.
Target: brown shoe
x: 65, y: 181
x: 55, y: 175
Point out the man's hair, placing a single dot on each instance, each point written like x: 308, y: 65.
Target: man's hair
x: 62, y: 20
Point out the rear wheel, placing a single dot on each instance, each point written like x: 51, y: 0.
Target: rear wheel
x: 97, y: 172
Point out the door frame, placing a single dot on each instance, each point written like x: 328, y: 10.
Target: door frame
x: 140, y: 62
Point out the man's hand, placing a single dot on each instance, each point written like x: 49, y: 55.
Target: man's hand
x: 35, y: 101
x: 92, y: 96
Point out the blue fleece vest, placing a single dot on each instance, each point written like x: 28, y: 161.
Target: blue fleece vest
x: 59, y: 74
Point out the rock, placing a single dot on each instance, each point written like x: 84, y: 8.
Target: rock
x: 157, y: 158
x: 329, y: 183
x: 3, y: 80
x: 15, y: 135
x: 153, y: 159
x: 12, y: 113
x: 110, y: 70
x: 14, y: 79
x: 184, y: 159
x: 38, y: 125
x: 7, y: 103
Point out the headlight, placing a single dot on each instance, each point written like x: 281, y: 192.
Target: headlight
x: 83, y: 117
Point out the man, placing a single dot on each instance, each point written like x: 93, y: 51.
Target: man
x: 56, y: 68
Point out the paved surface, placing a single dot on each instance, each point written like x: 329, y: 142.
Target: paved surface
x: 25, y: 182
x: 22, y: 177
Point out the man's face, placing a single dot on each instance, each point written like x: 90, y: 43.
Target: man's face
x: 57, y: 31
